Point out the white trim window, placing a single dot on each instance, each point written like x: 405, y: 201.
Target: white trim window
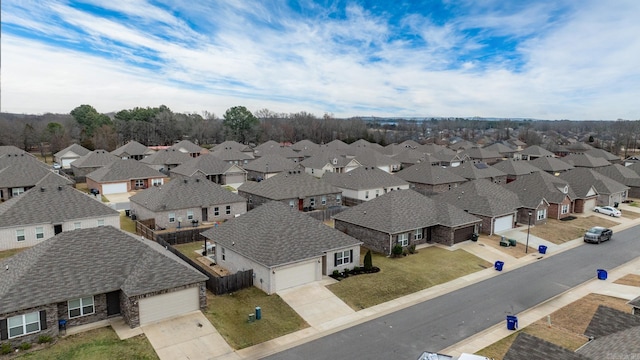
x: 23, y: 324
x: 292, y: 203
x: 338, y: 198
x: 343, y: 257
x: 156, y: 182
x: 189, y: 214
x: 542, y: 214
x: 228, y: 210
x: 17, y: 191
x: 403, y: 239
x: 417, y: 234
x: 139, y: 183
x: 39, y: 232
x: 172, y: 217
x: 77, y: 225
x: 81, y: 307
x: 324, y: 200
x: 20, y: 235
x: 216, y: 211
x: 100, y: 222
x: 564, y: 209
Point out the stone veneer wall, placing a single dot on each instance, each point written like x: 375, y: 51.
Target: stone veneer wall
x: 51, y: 330
x: 100, y: 308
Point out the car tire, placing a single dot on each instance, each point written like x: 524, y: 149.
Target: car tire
x: 596, y: 210
x: 611, y: 215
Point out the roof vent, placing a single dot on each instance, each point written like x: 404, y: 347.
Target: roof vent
x: 185, y: 181
x: 197, y: 180
x: 59, y: 187
x: 41, y: 189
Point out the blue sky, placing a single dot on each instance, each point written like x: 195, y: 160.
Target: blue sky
x: 489, y: 58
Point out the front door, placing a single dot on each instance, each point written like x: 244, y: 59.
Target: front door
x: 205, y: 214
x: 113, y: 303
x: 300, y: 204
x: 57, y: 229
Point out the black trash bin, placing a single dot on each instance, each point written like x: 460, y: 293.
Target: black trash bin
x: 615, y: 204
x: 474, y: 237
x: 127, y: 213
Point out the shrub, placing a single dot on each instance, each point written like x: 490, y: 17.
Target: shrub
x: 368, y: 263
x: 345, y: 273
x: 44, y: 339
x: 412, y: 249
x: 356, y: 269
x: 397, y: 250
x: 5, y: 349
x: 25, y: 346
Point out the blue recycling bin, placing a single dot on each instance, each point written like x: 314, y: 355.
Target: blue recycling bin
x: 512, y: 322
x: 498, y: 265
x: 258, y: 313
x: 602, y: 274
x: 542, y: 249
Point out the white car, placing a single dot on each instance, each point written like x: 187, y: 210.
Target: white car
x: 607, y: 210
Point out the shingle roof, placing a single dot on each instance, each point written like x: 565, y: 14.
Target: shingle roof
x: 474, y: 171
x: 482, y: 197
x: 229, y: 144
x: 516, y: 167
x: 167, y: 157
x: 411, y: 156
x: 56, y: 204
x: 53, y: 179
x: 404, y: 210
x: 185, y: 194
x: 322, y: 158
x: 230, y: 154
x: 635, y: 167
x: 337, y: 145
x: 363, y: 177
x: 294, y: 184
x: 579, y: 146
x: 304, y: 144
x: 529, y: 347
x: 284, y: 151
x: 635, y: 302
x: 499, y: 148
x: 121, y: 170
x: 425, y: 173
x: 96, y: 158
x: 532, y: 188
x: 10, y: 149
x: 132, y: 148
x: 624, y: 344
x: 585, y: 160
x: 607, y: 321
x: 621, y: 174
x: 599, y: 153
x: 374, y: 158
x: 274, y: 234
x: 551, y: 164
x: 206, y: 164
x: 20, y: 170
x: 536, y: 150
x: 186, y: 146
x: 581, y: 180
x: 86, y: 262
x: 74, y: 148
x: 270, y: 163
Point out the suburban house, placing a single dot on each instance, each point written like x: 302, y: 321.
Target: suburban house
x: 309, y: 250
x: 495, y: 205
x: 482, y: 155
x: 623, y: 175
x: 551, y: 165
x: 539, y: 187
x: 233, y: 156
x: 268, y: 165
x: 273, y: 148
x: 20, y: 172
x: 428, y: 179
x: 229, y: 144
x: 375, y: 159
x: 213, y: 168
x: 406, y: 218
x: 609, y: 191
x: 132, y: 150
x: 328, y: 161
x: 479, y: 170
x: 515, y: 168
x: 410, y: 157
x: 43, y: 212
x: 166, y: 160
x: 123, y: 176
x: 505, y: 151
x: 364, y: 183
x: 70, y: 154
x: 108, y: 273
x: 184, y: 202
x: 599, y: 153
x: 187, y: 147
x: 585, y: 160
x: 91, y: 162
x: 534, y: 151
x: 294, y: 188
x: 304, y: 145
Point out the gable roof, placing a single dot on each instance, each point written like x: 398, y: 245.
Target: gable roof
x: 474, y: 171
x: 107, y: 258
x: 532, y: 188
x: 186, y: 146
x: 515, y: 167
x: 53, y: 179
x: 337, y: 145
x: 607, y: 321
x: 624, y: 343
x: 51, y: 205
x: 230, y: 154
x: 579, y: 147
x: 274, y: 234
x: 536, y: 150
x: 10, y: 149
x: 581, y: 180
x: 293, y: 184
x: 230, y: 144
x: 620, y: 174
x: 551, y: 164
x: 304, y: 144
x: 425, y: 173
x: 482, y: 197
x: 96, y: 158
x: 529, y: 347
x: 599, y: 153
x: 185, y: 194
x: 206, y: 164
x: 132, y: 148
x: 404, y: 210
x: 167, y: 157
x: 411, y: 156
x: 270, y: 163
x: 276, y: 149
x: 362, y: 178
x: 585, y: 160
x: 500, y: 148
x: 326, y: 157
x: 374, y: 158
x: 19, y: 170
x: 74, y: 148
x: 124, y: 169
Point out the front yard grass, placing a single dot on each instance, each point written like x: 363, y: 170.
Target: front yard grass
x: 126, y: 223
x: 405, y: 275
x: 9, y: 253
x: 559, y: 232
x: 229, y: 315
x: 100, y: 343
x: 629, y: 280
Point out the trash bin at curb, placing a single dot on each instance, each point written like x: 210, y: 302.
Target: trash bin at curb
x: 512, y: 242
x: 474, y: 237
x: 498, y: 265
x: 258, y: 313
x: 602, y: 274
x: 542, y: 249
x: 252, y: 318
x: 512, y: 322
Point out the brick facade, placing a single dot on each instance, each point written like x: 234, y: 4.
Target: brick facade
x: 100, y: 312
x: 331, y: 200
x: 428, y: 189
x: 51, y: 324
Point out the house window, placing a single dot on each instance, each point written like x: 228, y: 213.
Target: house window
x: 366, y: 194
x: 39, y: 232
x: 343, y: 257
x: 312, y: 202
x: 449, y: 186
x: 23, y: 324
x: 417, y: 234
x: 291, y: 203
x: 77, y: 225
x: 216, y: 211
x: 324, y: 200
x: 251, y: 200
x: 139, y: 183
x: 81, y: 307
x: 564, y: 209
x: 172, y: 217
x: 377, y: 193
x: 100, y: 222
x: 403, y: 239
x: 224, y: 257
x: 20, y: 235
x: 542, y: 214
x: 338, y: 198
x: 156, y: 182
x: 17, y: 191
x: 190, y: 215
x: 228, y: 210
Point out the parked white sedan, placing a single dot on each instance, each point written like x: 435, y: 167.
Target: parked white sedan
x: 607, y: 210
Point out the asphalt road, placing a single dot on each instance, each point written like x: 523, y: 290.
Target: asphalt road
x: 446, y: 320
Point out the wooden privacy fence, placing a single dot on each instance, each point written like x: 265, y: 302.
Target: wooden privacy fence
x: 326, y: 214
x: 216, y: 284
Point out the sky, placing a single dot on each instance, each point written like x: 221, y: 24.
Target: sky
x: 541, y: 59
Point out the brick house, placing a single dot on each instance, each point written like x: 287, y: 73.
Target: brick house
x: 429, y: 180
x: 533, y: 188
x: 123, y: 176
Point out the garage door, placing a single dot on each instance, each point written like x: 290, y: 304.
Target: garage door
x: 589, y: 205
x: 503, y: 224
x: 66, y: 163
x: 463, y: 234
x: 295, y: 275
x: 116, y: 188
x: 164, y: 306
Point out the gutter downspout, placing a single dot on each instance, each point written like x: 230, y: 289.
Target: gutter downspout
x: 390, y: 242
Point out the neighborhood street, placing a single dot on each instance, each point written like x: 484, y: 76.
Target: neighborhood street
x: 446, y: 320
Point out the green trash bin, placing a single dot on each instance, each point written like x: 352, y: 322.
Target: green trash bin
x: 512, y: 242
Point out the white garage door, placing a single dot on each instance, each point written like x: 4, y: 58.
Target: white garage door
x: 66, y: 163
x: 295, y: 275
x: 589, y: 205
x: 503, y: 224
x: 164, y: 306
x: 116, y: 188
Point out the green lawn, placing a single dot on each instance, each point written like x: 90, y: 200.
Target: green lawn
x: 96, y: 344
x: 405, y: 275
x: 126, y: 223
x: 229, y: 314
x: 8, y: 253
x: 189, y: 249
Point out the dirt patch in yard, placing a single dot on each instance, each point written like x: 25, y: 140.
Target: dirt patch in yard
x: 517, y: 251
x: 629, y: 279
x: 559, y: 232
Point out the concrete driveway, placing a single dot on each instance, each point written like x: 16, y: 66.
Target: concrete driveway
x: 187, y: 337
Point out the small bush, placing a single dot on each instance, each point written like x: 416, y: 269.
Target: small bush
x: 336, y: 273
x: 44, y: 339
x: 25, y: 346
x: 368, y: 263
x: 412, y: 249
x: 397, y: 250
x: 356, y: 269
x: 345, y: 273
x: 5, y: 349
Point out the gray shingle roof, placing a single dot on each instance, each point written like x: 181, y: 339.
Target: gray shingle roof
x: 230, y: 154
x: 56, y: 204
x: 185, y: 194
x: 516, y: 167
x: 294, y: 184
x: 186, y: 146
x: 10, y: 149
x: 532, y: 188
x: 529, y: 347
x: 229, y: 144
x: 499, y: 148
x: 304, y: 144
x: 425, y: 173
x: 53, y: 179
x: 481, y: 153
x: 324, y: 157
x: 374, y: 158
x: 274, y: 234
x: 599, y: 153
x: 635, y: 167
x: 581, y: 180
x: 86, y: 262
x: 404, y: 210
x: 621, y: 174
x: 579, y: 146
x: 536, y: 150
x: 74, y: 148
x: 206, y: 164
x: 550, y: 164
x: 363, y: 177
x: 167, y: 157
x: 337, y: 145
x: 635, y: 302
x: 624, y: 344
x: 122, y: 170
x: 270, y: 163
x: 96, y: 158
x: 607, y: 321
x: 132, y: 148
x: 482, y: 197
x: 21, y: 170
x: 411, y: 156
x: 474, y: 171
x: 585, y: 160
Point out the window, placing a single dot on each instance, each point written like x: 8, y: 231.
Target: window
x: 338, y: 198
x: 172, y: 217
x: 156, y: 182
x: 564, y: 209
x: 312, y: 202
x: 139, y: 183
x: 542, y: 214
x: 403, y: 239
x: 216, y: 211
x: 228, y: 210
x: 100, y: 222
x: 189, y: 215
x: 324, y: 200
x: 417, y: 234
x: 23, y: 324
x: 81, y: 307
x: 17, y: 191
x: 343, y: 257
x: 292, y: 203
x: 39, y: 232
x: 77, y: 225
x: 366, y: 194
x: 20, y: 235
x: 224, y: 257
x: 251, y: 199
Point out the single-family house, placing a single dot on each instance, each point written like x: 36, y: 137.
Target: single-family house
x: 375, y: 159
x: 269, y: 165
x: 230, y: 144
x: 181, y: 203
x: 585, y: 160
x: 133, y: 150
x: 304, y: 145
x: 515, y: 168
x: 88, y: 275
x: 479, y: 170
x: 364, y: 183
x: 551, y: 165
x: 273, y: 148
x: 538, y: 187
x: 406, y: 218
x: 482, y: 155
x: 428, y: 179
x: 612, y: 333
x: 623, y: 175
x: 48, y: 210
x: 534, y: 151
x: 213, y: 168
x: 610, y: 192
x: 578, y: 148
x: 166, y: 160
x: 505, y: 151
x: 187, y: 147
x: 123, y: 176
x: 410, y: 157
x: 283, y: 247
x: 328, y: 161
x: 233, y: 156
x: 20, y: 172
x: 70, y: 154
x: 599, y: 153
x: 91, y: 162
